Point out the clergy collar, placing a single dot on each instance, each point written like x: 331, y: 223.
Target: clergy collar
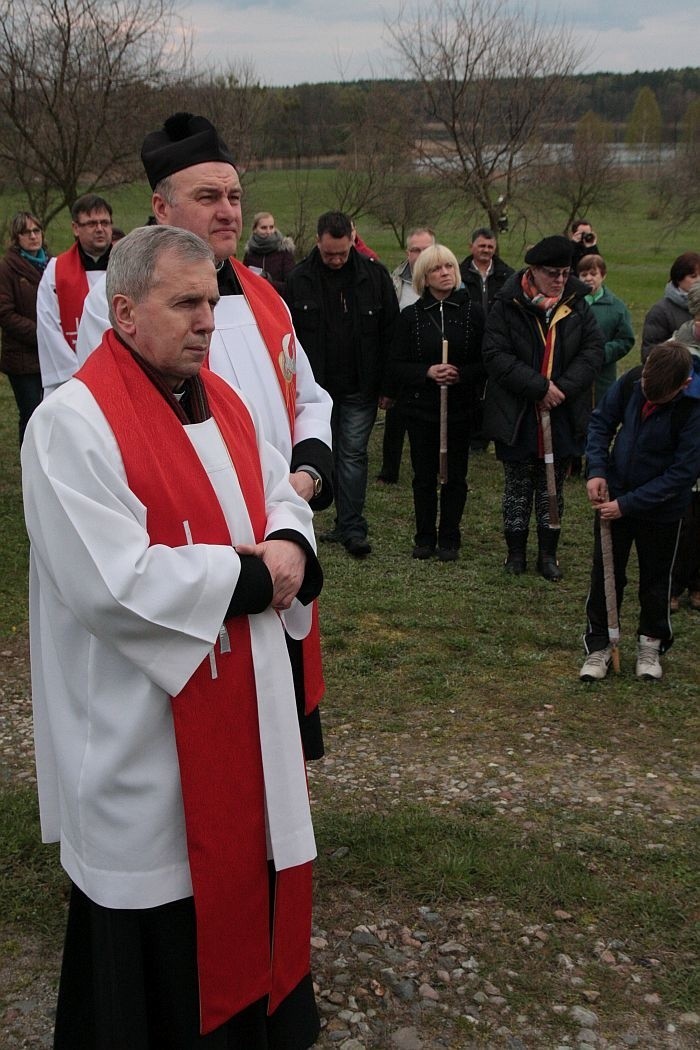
x: 89, y: 262
x: 226, y: 279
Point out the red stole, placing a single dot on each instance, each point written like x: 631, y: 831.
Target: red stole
x: 275, y: 326
x: 71, y: 290
x: 216, y: 720
x: 277, y: 332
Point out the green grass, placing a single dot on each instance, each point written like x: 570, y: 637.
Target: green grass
x: 14, y: 561
x: 425, y: 660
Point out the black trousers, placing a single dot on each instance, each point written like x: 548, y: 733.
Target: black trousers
x: 656, y: 549
x: 129, y: 982
x: 28, y: 393
x: 392, y: 443
x: 686, y: 569
x: 424, y: 439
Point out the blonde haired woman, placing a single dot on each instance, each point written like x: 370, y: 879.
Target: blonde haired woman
x: 268, y: 252
x: 417, y: 373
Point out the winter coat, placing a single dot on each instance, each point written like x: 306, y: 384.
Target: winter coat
x: 513, y: 351
x: 375, y: 312
x: 663, y: 319
x: 276, y: 266
x: 613, y: 319
x: 418, y: 344
x: 19, y: 281
x: 500, y: 272
x: 653, y: 463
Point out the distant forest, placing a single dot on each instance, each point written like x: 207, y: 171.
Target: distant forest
x: 314, y: 119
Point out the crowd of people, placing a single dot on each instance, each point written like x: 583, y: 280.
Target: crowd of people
x: 182, y: 415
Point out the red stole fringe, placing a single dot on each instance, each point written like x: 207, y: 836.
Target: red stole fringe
x: 216, y: 720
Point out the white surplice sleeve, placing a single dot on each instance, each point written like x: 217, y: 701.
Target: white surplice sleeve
x: 94, y: 321
x: 161, y: 608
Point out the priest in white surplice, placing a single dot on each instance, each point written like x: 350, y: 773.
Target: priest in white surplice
x: 167, y: 545
x: 196, y: 186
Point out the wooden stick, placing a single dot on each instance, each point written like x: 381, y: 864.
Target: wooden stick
x: 442, y: 473
x: 546, y: 423
x: 606, y: 545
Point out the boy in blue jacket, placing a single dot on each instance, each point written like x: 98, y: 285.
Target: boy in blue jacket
x: 642, y: 486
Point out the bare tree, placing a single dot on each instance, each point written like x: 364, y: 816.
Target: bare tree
x: 379, y: 148
x: 235, y: 100
x: 76, y: 78
x: 494, y: 79
x: 579, y: 176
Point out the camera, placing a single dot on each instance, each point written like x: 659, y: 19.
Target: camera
x: 588, y: 239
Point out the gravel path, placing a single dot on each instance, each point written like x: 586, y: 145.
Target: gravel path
x: 396, y: 977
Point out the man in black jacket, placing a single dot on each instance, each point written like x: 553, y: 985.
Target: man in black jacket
x: 542, y: 351
x: 344, y: 311
x: 483, y: 272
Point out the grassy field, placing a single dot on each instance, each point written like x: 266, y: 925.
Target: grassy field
x: 638, y: 250
x: 430, y: 664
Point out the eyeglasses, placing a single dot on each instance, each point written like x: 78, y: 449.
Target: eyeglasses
x: 550, y: 271
x: 92, y: 224
x: 34, y: 231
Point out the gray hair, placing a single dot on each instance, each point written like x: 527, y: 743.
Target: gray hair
x: 166, y: 189
x: 434, y: 256
x: 133, y: 260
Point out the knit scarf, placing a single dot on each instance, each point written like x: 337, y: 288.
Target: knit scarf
x: 546, y: 305
x: 38, y: 259
x: 534, y: 296
x: 265, y: 245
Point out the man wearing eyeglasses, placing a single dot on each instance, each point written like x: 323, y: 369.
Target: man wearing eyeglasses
x: 64, y: 286
x: 542, y: 351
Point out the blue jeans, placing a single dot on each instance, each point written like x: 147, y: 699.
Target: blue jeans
x: 351, y: 422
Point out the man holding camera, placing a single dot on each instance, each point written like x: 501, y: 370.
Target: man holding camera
x: 585, y: 240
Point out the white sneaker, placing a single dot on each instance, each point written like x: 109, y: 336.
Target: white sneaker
x: 648, y: 664
x: 596, y: 665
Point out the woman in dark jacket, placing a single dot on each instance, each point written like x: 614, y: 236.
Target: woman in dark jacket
x: 268, y: 252
x: 20, y: 273
x: 542, y: 352
x: 416, y: 369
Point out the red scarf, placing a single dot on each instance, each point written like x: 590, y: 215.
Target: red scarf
x: 218, y: 741
x: 277, y: 333
x: 71, y: 291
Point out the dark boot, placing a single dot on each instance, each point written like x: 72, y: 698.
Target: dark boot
x: 547, y: 564
x: 516, y: 562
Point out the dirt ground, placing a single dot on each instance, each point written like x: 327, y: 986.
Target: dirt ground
x: 390, y: 975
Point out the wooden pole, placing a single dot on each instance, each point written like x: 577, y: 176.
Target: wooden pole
x: 606, y: 545
x: 546, y: 423
x: 442, y: 473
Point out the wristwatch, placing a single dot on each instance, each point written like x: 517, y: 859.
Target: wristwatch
x: 315, y: 477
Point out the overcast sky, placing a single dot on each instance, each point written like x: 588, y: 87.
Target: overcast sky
x: 297, y: 41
